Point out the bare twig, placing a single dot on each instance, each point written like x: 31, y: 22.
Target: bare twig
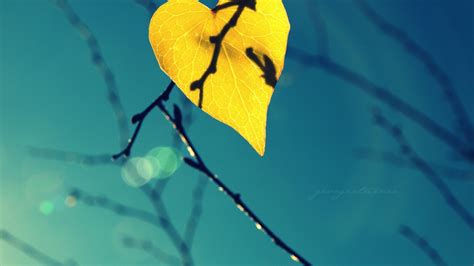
x: 30, y: 251
x: 138, y: 119
x: 422, y: 166
x: 422, y: 244
x: 422, y: 55
x: 150, y: 248
x: 197, y: 163
x: 186, y: 104
x: 103, y: 68
x: 385, y: 96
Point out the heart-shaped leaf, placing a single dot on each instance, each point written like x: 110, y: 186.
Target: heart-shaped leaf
x: 226, y: 60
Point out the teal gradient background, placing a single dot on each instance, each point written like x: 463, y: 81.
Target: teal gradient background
x: 52, y: 96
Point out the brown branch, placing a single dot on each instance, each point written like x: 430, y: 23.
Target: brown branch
x: 102, y: 67
x: 422, y: 166
x: 197, y: 163
x: 385, y: 96
x: 422, y: 244
x: 422, y: 55
x: 148, y: 247
x: 30, y: 251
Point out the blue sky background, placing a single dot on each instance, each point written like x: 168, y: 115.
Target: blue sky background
x: 52, y: 96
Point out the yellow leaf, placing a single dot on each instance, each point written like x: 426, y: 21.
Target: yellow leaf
x: 186, y: 37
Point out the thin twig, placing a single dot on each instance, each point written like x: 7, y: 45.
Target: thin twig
x: 139, y: 118
x: 30, y: 251
x: 150, y: 248
x: 423, y: 245
x: 422, y: 166
x: 434, y: 69
x: 197, y: 163
x: 187, y: 105
x: 103, y: 68
x: 384, y: 95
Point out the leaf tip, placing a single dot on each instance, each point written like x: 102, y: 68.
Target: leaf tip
x: 260, y: 149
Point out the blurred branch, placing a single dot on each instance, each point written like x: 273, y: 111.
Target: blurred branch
x: 385, y: 96
x: 72, y: 157
x: 319, y: 24
x: 149, y: 5
x: 31, y: 251
x: 422, y: 244
x: 195, y: 215
x: 401, y: 161
x: 118, y: 208
x: 197, y: 163
x: 154, y: 195
x: 422, y: 55
x: 162, y: 219
x: 148, y: 247
x: 422, y: 166
x: 103, y: 68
